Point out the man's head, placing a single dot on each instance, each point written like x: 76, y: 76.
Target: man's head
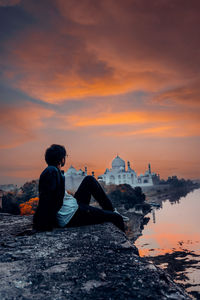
x: 55, y: 155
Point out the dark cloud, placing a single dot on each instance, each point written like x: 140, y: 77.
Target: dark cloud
x: 9, y: 2
x: 93, y: 48
x: 13, y: 19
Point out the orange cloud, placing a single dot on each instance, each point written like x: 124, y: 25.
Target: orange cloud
x: 129, y: 117
x: 55, y: 71
x: 183, y: 129
x: 188, y: 95
x: 134, y: 117
x: 159, y: 131
x: 86, y: 50
x: 19, y: 124
x: 98, y: 48
x: 135, y: 123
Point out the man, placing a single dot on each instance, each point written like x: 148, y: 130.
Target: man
x: 58, y: 208
x: 51, y: 189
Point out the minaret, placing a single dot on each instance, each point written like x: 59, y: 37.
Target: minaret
x: 86, y: 171
x: 149, y: 167
x: 129, y: 166
x: 154, y: 216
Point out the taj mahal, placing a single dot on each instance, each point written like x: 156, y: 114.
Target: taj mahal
x: 119, y: 175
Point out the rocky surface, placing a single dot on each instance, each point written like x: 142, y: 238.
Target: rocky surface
x: 90, y: 262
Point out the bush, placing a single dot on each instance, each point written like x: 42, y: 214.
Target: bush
x: 125, y: 194
x: 29, y: 207
x: 11, y: 201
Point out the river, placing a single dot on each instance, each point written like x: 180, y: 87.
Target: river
x: 171, y: 240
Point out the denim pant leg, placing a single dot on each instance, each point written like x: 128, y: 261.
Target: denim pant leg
x: 91, y: 187
x: 88, y: 215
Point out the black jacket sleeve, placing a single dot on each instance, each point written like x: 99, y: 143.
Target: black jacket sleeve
x: 45, y: 216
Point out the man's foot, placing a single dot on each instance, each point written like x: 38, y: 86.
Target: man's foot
x: 125, y: 219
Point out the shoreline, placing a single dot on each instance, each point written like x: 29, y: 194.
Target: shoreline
x: 180, y: 260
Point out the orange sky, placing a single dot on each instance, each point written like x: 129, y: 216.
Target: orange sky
x: 100, y: 77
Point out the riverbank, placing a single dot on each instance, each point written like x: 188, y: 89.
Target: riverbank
x: 90, y: 262
x: 162, y: 192
x: 177, y: 265
x: 171, y: 240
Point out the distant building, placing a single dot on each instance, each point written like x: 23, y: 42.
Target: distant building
x: 119, y: 175
x: 73, y: 178
x: 8, y: 187
x: 116, y: 175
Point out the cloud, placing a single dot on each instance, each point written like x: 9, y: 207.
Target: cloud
x: 102, y: 68
x: 188, y: 95
x: 181, y: 130
x: 9, y: 2
x: 125, y: 124
x: 20, y: 124
x: 87, y: 12
x: 54, y: 70
x: 162, y: 131
x: 99, y: 48
x: 129, y: 117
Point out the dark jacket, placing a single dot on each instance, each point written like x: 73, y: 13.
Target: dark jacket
x: 51, y: 193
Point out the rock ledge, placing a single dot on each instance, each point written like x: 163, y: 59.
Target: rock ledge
x: 90, y: 262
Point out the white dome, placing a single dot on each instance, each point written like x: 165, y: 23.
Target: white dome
x: 118, y: 163
x: 71, y: 171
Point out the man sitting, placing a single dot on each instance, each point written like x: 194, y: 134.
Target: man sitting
x: 57, y: 208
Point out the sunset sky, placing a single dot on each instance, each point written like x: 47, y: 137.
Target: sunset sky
x: 101, y: 77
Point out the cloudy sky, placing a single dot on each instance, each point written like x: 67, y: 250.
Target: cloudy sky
x: 100, y: 77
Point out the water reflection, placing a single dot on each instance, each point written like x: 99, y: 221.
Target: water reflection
x: 172, y: 239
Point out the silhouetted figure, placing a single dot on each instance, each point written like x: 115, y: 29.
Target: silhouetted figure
x: 58, y: 208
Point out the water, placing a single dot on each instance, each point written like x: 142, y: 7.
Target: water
x: 171, y: 240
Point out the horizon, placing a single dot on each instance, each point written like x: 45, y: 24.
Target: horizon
x: 20, y: 181
x: 101, y: 78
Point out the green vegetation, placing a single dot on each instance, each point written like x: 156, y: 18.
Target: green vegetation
x: 125, y: 194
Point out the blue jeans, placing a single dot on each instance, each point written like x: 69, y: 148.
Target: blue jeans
x: 86, y: 214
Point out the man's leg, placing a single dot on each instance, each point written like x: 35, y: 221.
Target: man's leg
x: 88, y: 215
x: 91, y: 187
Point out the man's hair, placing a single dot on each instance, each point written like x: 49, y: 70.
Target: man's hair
x: 54, y: 154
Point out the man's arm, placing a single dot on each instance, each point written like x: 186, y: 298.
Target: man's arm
x: 48, y: 192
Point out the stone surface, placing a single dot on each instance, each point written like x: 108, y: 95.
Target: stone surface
x: 90, y: 262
